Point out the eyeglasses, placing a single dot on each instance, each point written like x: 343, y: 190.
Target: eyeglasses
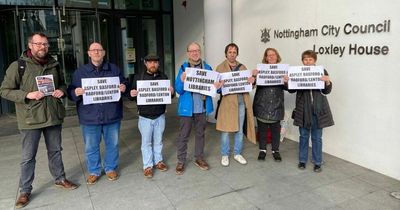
x: 96, y: 50
x: 193, y: 51
x: 38, y: 44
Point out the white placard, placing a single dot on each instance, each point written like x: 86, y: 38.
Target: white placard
x: 101, y: 90
x: 306, y: 77
x: 236, y: 82
x: 271, y: 74
x: 153, y: 92
x: 45, y: 84
x: 201, y: 81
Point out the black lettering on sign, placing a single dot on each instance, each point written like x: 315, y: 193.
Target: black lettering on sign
x: 101, y: 81
x: 153, y: 83
x: 201, y: 73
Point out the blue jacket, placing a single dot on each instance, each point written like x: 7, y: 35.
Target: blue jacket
x: 96, y: 114
x: 185, y: 101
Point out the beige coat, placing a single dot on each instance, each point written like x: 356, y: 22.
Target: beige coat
x: 228, y: 116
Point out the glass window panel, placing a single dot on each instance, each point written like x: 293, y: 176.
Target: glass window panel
x: 149, y: 36
x: 127, y: 4
x: 28, y: 2
x: 137, y: 4
x: 104, y: 4
x: 168, y: 48
x: 167, y: 5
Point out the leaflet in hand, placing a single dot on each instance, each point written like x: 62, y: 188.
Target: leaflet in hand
x: 45, y: 84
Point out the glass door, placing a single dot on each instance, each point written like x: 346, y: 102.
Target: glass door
x: 138, y: 28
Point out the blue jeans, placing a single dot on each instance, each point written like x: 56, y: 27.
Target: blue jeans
x: 30, y: 143
x: 92, y: 137
x: 238, y: 136
x: 152, y: 133
x: 316, y: 141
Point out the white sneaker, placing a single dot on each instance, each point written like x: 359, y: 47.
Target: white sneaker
x: 240, y: 159
x: 395, y: 194
x: 225, y: 161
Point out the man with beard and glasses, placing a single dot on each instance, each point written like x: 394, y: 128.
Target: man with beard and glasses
x: 151, y: 119
x: 37, y: 113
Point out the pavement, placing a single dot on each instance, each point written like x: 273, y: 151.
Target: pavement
x: 257, y: 185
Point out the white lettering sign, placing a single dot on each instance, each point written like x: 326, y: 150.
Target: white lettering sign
x: 271, y: 74
x: 201, y: 81
x: 153, y: 92
x: 306, y: 77
x: 101, y: 90
x: 236, y: 82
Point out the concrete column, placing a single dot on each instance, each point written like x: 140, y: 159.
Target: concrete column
x: 217, y: 34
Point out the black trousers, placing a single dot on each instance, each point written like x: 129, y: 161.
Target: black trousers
x: 275, y: 129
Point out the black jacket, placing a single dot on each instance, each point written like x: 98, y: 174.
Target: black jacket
x: 149, y: 111
x: 269, y: 103
x: 319, y: 106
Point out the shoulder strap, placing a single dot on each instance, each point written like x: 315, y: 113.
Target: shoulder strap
x: 183, y: 66
x: 21, y: 69
x: 237, y: 68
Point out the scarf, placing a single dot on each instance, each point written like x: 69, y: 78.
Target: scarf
x: 194, y: 63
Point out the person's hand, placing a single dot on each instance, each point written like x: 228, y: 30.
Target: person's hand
x: 183, y: 76
x: 79, y: 91
x: 36, y: 95
x: 326, y: 79
x: 122, y: 88
x: 171, y: 89
x: 286, y: 78
x: 219, y: 84
x: 254, y: 72
x: 134, y: 93
x: 251, y: 80
x: 58, y: 93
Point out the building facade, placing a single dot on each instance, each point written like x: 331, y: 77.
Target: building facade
x: 128, y: 30
x: 356, y: 41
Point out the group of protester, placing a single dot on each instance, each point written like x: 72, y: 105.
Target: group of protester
x: 38, y: 114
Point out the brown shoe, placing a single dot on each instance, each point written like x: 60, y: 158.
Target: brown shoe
x: 22, y: 200
x: 92, y: 179
x: 112, y: 175
x: 201, y: 164
x: 161, y: 166
x: 66, y: 185
x: 180, y: 169
x: 148, y: 172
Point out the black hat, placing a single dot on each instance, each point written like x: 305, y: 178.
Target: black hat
x: 151, y: 57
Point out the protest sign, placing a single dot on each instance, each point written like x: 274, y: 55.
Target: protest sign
x: 236, y: 82
x: 306, y: 77
x: 101, y: 90
x: 45, y: 84
x: 201, y: 81
x: 152, y: 92
x: 271, y: 74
